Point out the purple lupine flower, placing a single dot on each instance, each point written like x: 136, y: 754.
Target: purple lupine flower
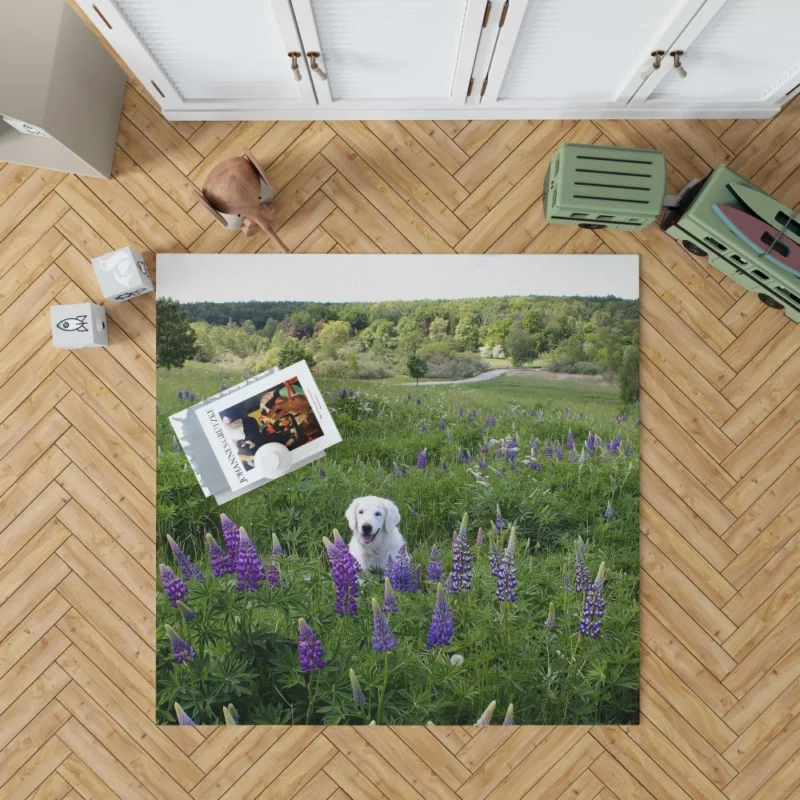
x: 628, y: 448
x: 180, y: 394
x: 230, y: 533
x: 174, y: 588
x: 389, y: 600
x: 535, y: 448
x: 485, y: 448
x: 573, y: 456
x: 594, y: 606
x: 188, y: 570
x: 550, y: 622
x: 187, y: 613
x: 494, y: 559
x: 440, y: 632
x: 273, y: 576
x: 343, y: 394
x: 419, y: 401
x: 499, y: 522
x: 613, y: 446
x: 441, y: 424
x: 422, y: 458
x: 536, y: 466
x: 182, y: 717
x: 277, y: 550
x: 396, y: 470
x: 512, y: 451
x: 309, y: 647
x: 567, y: 582
x: 461, y: 411
x: 570, y: 440
x: 548, y: 449
x: 486, y: 718
x: 591, y: 441
x: 423, y: 427
x: 182, y: 651
x: 191, y: 397
x: 322, y: 473
x: 249, y: 568
x: 559, y: 451
x: 400, y: 574
x: 609, y: 512
x: 416, y: 578
x: 435, y: 565
x: 220, y: 561
x: 359, y: 697
x: 462, y: 560
x: 581, y: 570
x: 509, y: 718
x: 507, y: 572
x: 382, y: 638
x: 482, y: 465
x: 464, y: 456
x: 344, y: 570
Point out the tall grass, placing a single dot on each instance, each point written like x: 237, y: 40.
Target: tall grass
x: 246, y: 642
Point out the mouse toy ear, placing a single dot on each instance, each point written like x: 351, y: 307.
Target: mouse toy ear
x: 213, y: 211
x: 257, y: 167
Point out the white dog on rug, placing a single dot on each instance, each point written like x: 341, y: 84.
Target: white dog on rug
x: 373, y: 522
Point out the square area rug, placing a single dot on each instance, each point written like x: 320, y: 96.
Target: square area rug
x: 455, y: 539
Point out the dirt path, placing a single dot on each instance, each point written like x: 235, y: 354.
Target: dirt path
x: 496, y: 373
x: 484, y: 376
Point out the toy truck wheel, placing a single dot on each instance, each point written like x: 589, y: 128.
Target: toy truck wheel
x: 592, y: 226
x: 770, y: 301
x: 693, y: 248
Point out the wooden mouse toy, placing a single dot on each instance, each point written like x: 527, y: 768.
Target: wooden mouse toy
x: 234, y: 188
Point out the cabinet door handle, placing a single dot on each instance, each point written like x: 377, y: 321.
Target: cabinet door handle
x: 294, y: 55
x: 676, y: 60
x: 313, y: 56
x: 657, y: 55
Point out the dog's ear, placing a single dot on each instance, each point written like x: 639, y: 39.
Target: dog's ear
x: 392, y: 515
x: 350, y: 514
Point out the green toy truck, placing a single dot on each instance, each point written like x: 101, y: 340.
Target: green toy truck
x: 605, y: 187
x: 696, y: 225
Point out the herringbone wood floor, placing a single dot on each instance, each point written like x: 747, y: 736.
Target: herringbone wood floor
x: 720, y: 691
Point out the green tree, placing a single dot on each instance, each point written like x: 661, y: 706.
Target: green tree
x: 497, y: 332
x: 175, y: 339
x: 417, y: 367
x: 520, y: 346
x: 629, y: 375
x: 335, y: 333
x: 291, y: 351
x: 468, y: 332
x: 438, y: 329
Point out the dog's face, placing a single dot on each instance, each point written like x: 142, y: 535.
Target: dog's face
x: 370, y: 517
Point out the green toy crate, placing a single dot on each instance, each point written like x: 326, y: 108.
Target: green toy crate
x: 605, y: 187
x: 700, y: 230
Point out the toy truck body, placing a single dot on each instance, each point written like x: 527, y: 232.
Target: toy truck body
x: 702, y: 232
x: 605, y: 187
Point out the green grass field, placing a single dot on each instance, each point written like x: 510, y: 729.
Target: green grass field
x: 246, y: 644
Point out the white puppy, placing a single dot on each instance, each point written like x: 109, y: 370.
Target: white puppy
x: 373, y: 522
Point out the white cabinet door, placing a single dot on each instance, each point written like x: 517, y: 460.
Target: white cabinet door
x: 575, y: 53
x: 734, y: 51
x: 391, y: 54
x: 208, y: 54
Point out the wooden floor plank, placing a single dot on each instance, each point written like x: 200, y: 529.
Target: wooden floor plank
x: 720, y: 435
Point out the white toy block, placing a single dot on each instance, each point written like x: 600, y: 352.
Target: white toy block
x: 122, y: 274
x: 79, y: 325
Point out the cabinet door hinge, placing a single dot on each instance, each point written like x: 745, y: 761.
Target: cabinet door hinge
x: 486, y: 13
x: 469, y: 88
x: 503, y: 15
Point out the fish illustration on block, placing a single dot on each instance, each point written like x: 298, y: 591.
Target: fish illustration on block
x: 74, y: 324
x: 763, y: 238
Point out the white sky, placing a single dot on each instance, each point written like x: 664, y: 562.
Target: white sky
x: 370, y: 278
